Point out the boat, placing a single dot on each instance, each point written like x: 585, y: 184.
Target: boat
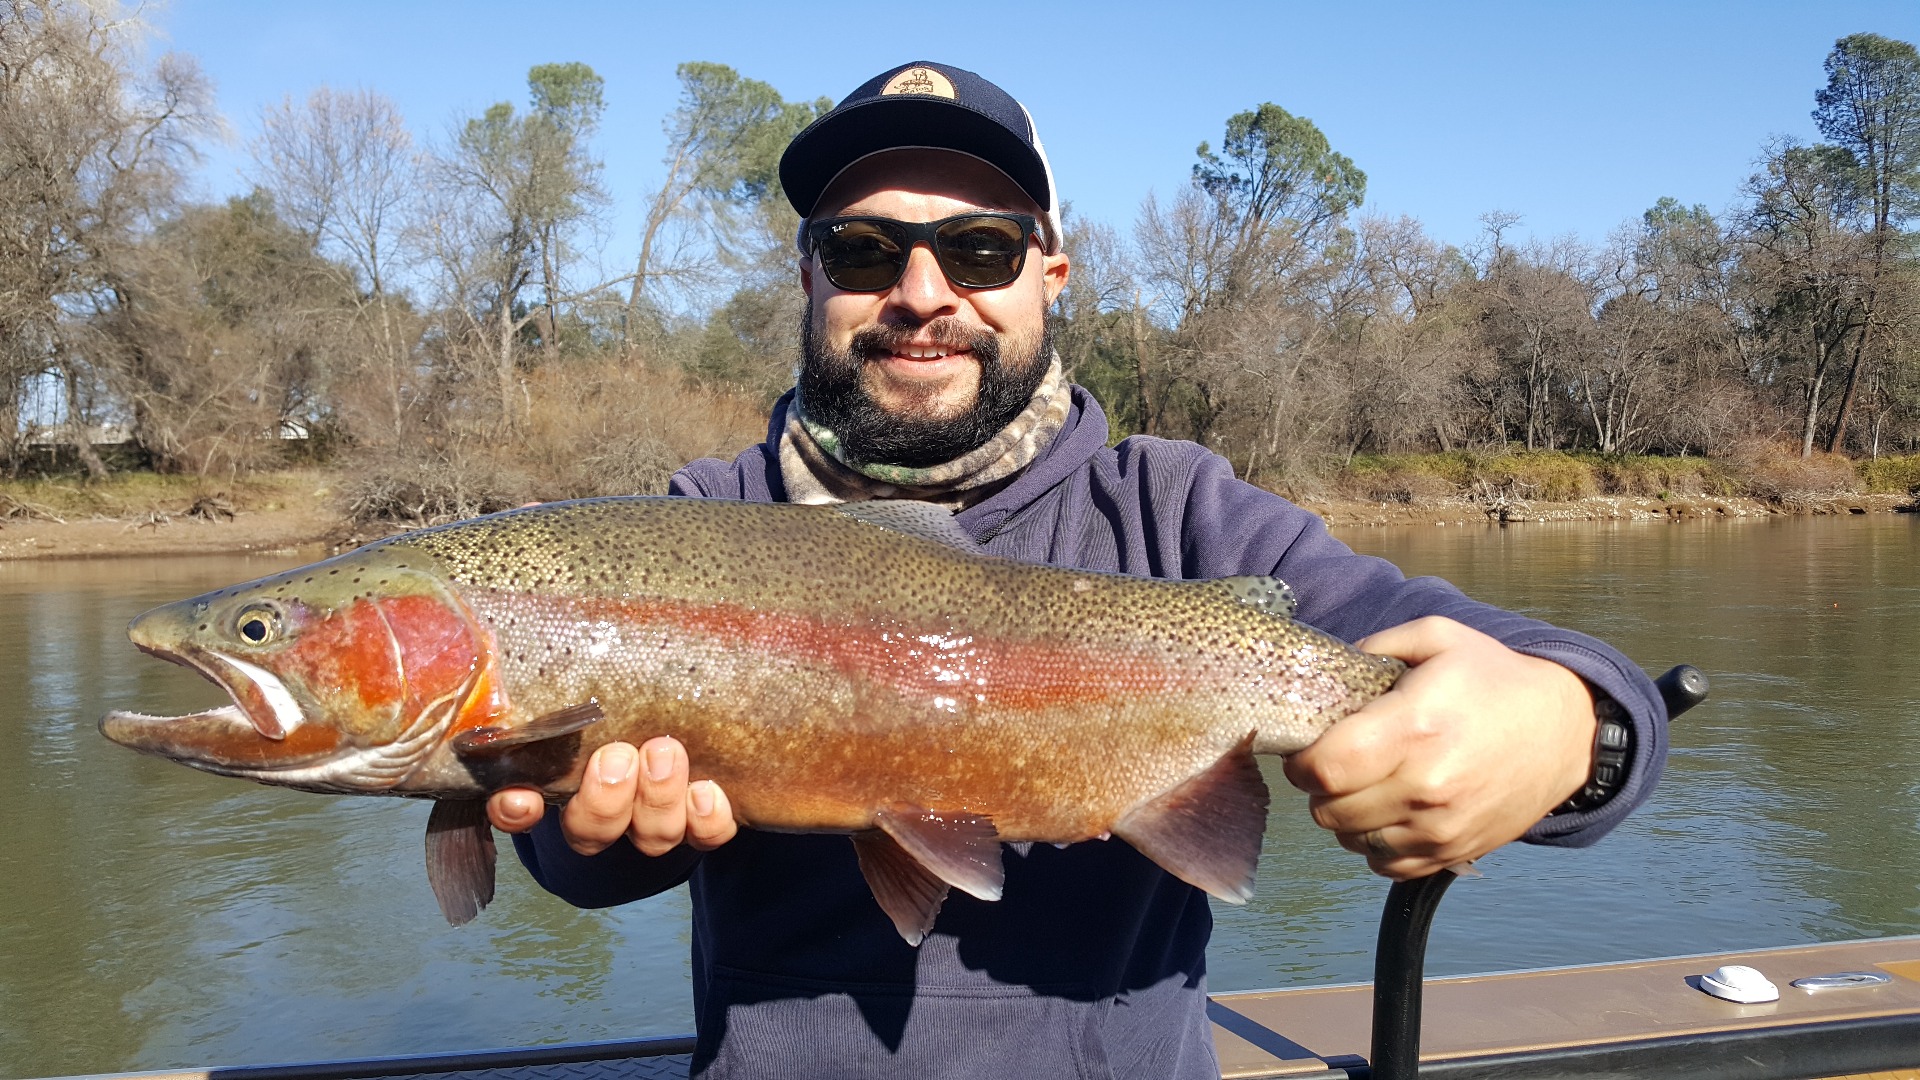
x: 1643, y: 1018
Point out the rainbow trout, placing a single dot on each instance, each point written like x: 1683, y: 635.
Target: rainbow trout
x: 859, y: 669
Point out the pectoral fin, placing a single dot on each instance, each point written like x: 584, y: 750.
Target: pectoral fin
x: 553, y: 725
x: 909, y: 894
x: 1207, y: 831
x: 460, y: 858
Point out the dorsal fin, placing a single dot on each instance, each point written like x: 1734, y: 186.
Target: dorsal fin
x: 1269, y: 594
x: 922, y: 519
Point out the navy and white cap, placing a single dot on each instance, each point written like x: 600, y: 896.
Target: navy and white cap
x: 922, y: 105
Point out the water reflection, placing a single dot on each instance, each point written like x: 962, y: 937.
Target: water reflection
x: 157, y: 917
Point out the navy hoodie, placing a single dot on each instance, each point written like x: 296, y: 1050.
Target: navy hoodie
x: 1093, y: 964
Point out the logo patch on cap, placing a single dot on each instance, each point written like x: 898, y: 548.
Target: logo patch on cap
x: 919, y: 80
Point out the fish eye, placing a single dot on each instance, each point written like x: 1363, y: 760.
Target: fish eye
x: 257, y: 624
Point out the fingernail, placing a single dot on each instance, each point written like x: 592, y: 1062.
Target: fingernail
x: 616, y: 763
x: 702, y: 794
x: 659, y: 763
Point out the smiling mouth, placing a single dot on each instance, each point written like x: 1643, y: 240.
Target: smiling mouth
x: 929, y: 352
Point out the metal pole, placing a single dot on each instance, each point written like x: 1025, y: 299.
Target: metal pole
x: 1400, y: 955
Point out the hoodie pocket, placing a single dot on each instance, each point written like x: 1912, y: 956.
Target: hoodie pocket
x: 753, y: 1026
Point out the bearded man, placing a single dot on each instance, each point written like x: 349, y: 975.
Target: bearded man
x: 930, y: 252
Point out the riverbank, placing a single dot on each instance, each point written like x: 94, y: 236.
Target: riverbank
x: 146, y: 515
x: 299, y: 510
x: 1460, y: 510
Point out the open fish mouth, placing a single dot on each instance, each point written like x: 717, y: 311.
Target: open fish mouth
x: 222, y: 740
x: 261, y: 735
x: 266, y: 736
x: 259, y: 696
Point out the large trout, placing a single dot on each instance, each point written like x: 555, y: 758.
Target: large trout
x: 860, y: 669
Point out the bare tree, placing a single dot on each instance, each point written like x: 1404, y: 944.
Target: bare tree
x: 90, y: 153
x: 340, y: 167
x: 1539, y: 300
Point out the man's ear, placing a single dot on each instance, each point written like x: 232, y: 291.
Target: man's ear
x: 806, y: 276
x: 1053, y: 275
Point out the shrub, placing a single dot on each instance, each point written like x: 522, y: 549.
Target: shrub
x: 1891, y: 475
x: 1779, y: 474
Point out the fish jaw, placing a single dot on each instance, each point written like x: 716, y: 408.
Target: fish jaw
x: 327, y: 705
x: 262, y: 736
x: 223, y: 741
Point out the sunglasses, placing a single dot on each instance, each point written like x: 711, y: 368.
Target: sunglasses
x: 982, y: 250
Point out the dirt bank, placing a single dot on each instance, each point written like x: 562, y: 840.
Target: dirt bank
x: 309, y: 519
x: 284, y: 528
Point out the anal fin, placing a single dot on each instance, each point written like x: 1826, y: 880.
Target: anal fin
x: 1207, y: 830
x: 905, y: 890
x: 460, y: 858
x: 962, y: 850
x: 553, y: 725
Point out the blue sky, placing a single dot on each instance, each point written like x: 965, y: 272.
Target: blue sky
x: 1575, y: 116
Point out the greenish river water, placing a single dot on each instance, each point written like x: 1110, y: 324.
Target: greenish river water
x: 154, y: 917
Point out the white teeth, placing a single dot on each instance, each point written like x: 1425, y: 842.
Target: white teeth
x: 284, y: 708
x: 920, y: 352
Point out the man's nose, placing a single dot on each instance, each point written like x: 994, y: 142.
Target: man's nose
x: 923, y: 290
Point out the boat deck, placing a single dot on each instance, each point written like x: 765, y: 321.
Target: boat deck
x: 1642, y: 1018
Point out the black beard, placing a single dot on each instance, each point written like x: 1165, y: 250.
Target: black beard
x: 834, y: 396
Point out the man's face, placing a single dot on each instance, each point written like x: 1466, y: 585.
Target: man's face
x: 927, y: 370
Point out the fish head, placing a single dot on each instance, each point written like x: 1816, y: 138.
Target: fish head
x: 344, y: 675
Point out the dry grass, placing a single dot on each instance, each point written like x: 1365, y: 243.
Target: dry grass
x: 1543, y: 475
x: 1778, y: 474
x: 593, y: 428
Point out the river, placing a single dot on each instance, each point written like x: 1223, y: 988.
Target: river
x: 155, y: 917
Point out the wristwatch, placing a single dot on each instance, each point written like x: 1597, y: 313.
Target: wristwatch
x: 1612, y: 749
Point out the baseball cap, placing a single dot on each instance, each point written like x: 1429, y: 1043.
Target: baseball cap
x: 922, y: 105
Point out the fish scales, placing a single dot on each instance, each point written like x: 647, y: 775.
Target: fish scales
x: 806, y: 650
x: 822, y: 665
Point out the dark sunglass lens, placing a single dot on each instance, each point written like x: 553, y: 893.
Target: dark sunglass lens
x: 981, y: 252
x: 862, y: 256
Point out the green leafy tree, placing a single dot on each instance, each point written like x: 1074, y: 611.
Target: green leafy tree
x: 1248, y: 272
x: 532, y: 180
x: 1276, y: 182
x: 1810, y: 271
x: 724, y: 144
x: 1870, y: 108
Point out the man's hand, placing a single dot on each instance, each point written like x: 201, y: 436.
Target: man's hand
x: 641, y: 794
x: 1469, y: 749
